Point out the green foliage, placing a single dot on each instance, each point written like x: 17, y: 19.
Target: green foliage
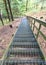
x: 19, y: 6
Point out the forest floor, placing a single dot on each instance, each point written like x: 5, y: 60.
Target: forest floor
x: 42, y: 16
x: 6, y: 34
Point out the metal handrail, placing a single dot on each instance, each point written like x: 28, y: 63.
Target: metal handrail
x: 41, y: 22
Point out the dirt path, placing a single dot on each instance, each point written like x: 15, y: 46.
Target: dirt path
x: 6, y: 34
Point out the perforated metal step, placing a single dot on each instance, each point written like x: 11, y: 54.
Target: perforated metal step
x: 25, y: 44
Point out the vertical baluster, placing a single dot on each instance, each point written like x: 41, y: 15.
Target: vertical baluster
x: 31, y: 23
x: 38, y: 31
x: 34, y: 25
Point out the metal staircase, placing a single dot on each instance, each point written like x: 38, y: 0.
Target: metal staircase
x: 24, y: 49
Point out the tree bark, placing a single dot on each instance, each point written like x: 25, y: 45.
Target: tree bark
x: 6, y: 9
x: 10, y: 10
x: 26, y: 4
x: 1, y: 19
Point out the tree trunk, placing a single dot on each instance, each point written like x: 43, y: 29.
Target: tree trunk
x: 1, y: 19
x: 26, y: 4
x: 6, y: 9
x: 42, y: 1
x: 10, y: 10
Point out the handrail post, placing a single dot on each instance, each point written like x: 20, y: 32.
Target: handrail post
x: 34, y: 25
x: 31, y: 23
x: 38, y: 31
